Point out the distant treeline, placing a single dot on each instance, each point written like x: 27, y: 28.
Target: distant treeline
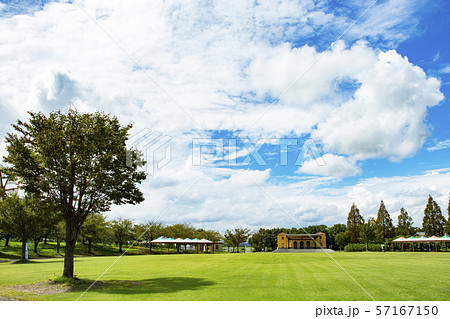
x: 370, y: 233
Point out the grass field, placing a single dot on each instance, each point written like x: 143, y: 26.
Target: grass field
x: 258, y: 276
x: 49, y: 250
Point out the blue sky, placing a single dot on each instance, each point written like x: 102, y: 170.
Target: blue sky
x: 366, y: 82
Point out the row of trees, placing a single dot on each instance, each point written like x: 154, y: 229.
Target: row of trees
x: 29, y: 218
x: 381, y: 228
x: 357, y: 230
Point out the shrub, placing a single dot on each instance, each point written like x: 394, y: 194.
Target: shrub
x: 362, y: 247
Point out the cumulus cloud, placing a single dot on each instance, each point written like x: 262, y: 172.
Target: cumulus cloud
x: 224, y: 64
x: 333, y: 165
x: 385, y: 118
x: 385, y: 113
x: 221, y: 204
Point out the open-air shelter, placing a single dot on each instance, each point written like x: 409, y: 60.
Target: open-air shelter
x: 199, y: 244
x: 413, y: 240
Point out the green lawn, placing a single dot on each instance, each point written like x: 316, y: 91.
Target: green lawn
x: 14, y: 250
x: 258, y: 276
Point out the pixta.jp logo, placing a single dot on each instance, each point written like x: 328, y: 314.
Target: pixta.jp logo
x: 154, y: 147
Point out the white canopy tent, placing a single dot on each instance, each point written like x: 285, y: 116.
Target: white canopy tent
x: 412, y: 240
x: 197, y: 243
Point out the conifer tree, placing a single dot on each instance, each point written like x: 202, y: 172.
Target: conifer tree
x: 367, y: 233
x: 354, y: 224
x: 433, y: 221
x: 447, y: 225
x: 404, y: 226
x: 384, y: 228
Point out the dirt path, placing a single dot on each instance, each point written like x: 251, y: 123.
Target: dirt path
x: 6, y: 299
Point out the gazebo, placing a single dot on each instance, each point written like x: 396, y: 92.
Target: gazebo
x: 199, y: 244
x: 412, y: 240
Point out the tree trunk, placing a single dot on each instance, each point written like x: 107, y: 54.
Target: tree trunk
x: 8, y: 237
x: 58, y: 244
x: 36, y: 242
x: 149, y: 248
x: 89, y: 245
x: 367, y: 246
x: 24, y: 248
x: 71, y: 240
x: 120, y: 247
x: 45, y: 240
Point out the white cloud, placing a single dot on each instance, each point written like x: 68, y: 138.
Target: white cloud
x: 335, y: 166
x: 445, y: 69
x: 386, y: 116
x: 439, y: 146
x: 225, y: 203
x: 220, y: 63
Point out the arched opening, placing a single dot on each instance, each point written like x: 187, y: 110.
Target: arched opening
x: 301, y: 245
x: 295, y: 245
x: 308, y: 244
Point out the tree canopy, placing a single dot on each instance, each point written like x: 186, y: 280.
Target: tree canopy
x: 433, y: 221
x: 237, y: 236
x: 384, y: 229
x: 354, y: 224
x: 404, y: 225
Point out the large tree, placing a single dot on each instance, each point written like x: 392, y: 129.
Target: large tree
x: 384, y: 229
x: 447, y: 225
x: 367, y: 233
x: 5, y: 182
x: 354, y: 224
x: 433, y: 221
x: 405, y: 224
x: 78, y: 162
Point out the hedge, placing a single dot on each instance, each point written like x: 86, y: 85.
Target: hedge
x: 362, y: 247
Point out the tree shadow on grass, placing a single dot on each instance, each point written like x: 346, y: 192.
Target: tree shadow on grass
x: 151, y: 286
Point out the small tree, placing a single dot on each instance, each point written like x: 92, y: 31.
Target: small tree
x: 257, y: 240
x: 367, y: 233
x: 94, y: 230
x: 331, y: 233
x: 180, y: 231
x: 405, y: 222
x: 341, y: 240
x: 58, y: 233
x: 20, y: 219
x: 211, y: 235
x: 384, y: 229
x: 122, y: 230
x: 5, y: 228
x: 152, y: 230
x: 354, y: 224
x: 433, y: 221
x: 237, y: 237
x: 78, y: 162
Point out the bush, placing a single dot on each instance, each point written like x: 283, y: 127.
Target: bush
x: 362, y: 247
